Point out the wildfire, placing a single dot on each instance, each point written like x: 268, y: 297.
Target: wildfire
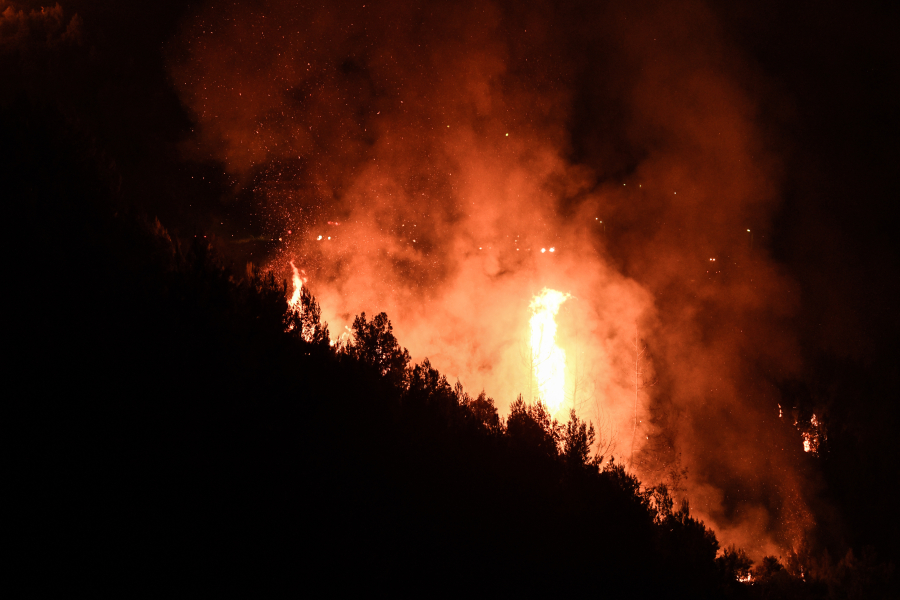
x: 548, y: 361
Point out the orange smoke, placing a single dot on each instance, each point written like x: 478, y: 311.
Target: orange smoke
x: 476, y: 152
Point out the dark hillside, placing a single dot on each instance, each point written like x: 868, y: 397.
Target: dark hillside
x: 186, y: 432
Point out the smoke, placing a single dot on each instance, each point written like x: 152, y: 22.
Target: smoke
x: 22, y: 28
x: 424, y: 159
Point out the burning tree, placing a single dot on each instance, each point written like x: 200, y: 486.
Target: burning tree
x: 304, y: 316
x: 548, y: 361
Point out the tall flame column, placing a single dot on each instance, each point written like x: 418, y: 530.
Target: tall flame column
x: 548, y: 361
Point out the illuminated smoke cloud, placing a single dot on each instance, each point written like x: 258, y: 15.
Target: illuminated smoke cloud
x: 446, y: 162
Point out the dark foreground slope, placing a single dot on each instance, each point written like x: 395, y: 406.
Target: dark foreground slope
x: 185, y: 433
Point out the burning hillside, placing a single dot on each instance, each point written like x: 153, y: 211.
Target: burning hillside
x: 436, y: 162
x: 656, y: 237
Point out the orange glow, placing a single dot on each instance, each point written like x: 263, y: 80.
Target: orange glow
x: 450, y: 226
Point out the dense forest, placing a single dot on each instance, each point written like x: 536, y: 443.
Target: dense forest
x: 186, y: 430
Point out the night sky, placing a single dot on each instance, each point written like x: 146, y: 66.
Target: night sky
x: 759, y: 134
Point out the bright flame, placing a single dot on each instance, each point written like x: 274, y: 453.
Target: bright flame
x: 294, y: 302
x: 548, y: 361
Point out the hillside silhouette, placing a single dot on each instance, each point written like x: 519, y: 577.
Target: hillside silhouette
x: 187, y: 431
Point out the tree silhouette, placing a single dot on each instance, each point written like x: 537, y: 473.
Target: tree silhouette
x: 374, y: 345
x: 532, y: 429
x: 483, y: 410
x: 577, y: 440
x: 734, y: 564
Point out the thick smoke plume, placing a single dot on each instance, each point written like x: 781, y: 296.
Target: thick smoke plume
x: 444, y: 162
